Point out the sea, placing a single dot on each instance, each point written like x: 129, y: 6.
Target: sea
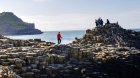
x: 50, y: 36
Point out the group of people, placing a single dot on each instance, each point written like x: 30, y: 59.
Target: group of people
x: 100, y: 22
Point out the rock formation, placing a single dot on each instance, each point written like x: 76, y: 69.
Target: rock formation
x: 111, y: 34
x: 107, y: 51
x: 10, y: 24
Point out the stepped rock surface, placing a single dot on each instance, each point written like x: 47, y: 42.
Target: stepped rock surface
x: 111, y: 34
x: 107, y: 51
x: 10, y: 24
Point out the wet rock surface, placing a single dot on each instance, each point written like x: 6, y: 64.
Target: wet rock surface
x: 104, y: 52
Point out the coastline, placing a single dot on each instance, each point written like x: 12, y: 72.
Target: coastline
x: 50, y: 36
x: 96, y: 54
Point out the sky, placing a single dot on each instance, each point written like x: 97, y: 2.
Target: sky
x: 56, y: 15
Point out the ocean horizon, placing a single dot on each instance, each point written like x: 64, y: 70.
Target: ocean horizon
x: 50, y: 36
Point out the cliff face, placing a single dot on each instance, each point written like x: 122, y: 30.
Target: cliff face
x: 10, y: 24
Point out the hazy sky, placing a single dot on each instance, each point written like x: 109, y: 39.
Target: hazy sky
x: 52, y: 15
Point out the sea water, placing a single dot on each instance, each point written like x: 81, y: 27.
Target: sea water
x: 51, y: 36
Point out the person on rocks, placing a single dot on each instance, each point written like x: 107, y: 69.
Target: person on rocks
x: 117, y: 23
x: 96, y: 22
x: 107, y: 21
x: 101, y: 22
x: 59, y: 37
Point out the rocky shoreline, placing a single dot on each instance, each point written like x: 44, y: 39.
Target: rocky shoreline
x: 108, y: 51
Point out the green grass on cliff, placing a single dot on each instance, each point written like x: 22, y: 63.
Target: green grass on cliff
x: 9, y: 19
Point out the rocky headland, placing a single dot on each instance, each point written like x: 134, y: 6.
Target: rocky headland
x: 10, y: 24
x: 107, y: 51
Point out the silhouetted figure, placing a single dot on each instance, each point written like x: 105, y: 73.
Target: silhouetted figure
x: 96, y: 22
x: 59, y: 37
x: 117, y: 23
x: 107, y: 21
x: 101, y: 22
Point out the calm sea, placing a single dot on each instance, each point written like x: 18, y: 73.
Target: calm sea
x: 68, y: 36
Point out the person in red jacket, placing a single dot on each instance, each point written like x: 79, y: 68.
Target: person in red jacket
x: 59, y: 37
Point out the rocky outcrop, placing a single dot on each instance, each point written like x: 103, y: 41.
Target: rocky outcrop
x: 111, y: 34
x: 10, y: 24
x: 103, y: 52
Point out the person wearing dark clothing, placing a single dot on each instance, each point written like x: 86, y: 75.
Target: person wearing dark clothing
x: 96, y: 22
x: 117, y: 23
x: 107, y: 21
x: 59, y: 37
x: 101, y: 22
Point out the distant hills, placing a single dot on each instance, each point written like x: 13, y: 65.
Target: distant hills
x: 10, y: 24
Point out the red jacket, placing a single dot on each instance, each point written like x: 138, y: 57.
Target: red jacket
x: 58, y: 36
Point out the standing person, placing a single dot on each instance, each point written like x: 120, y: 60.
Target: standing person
x: 59, y: 37
x: 107, y: 21
x: 96, y: 22
x: 102, y: 22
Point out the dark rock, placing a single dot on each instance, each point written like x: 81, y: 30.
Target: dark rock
x: 112, y: 34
